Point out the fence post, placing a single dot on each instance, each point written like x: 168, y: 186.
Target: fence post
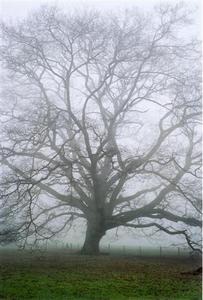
x: 140, y: 250
x: 124, y: 252
x: 178, y: 251
x: 160, y: 251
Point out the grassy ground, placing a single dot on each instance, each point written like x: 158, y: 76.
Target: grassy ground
x: 58, y: 276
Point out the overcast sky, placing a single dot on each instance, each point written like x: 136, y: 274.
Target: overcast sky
x: 20, y: 8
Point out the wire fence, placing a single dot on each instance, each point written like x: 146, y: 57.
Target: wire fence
x: 123, y: 250
x: 141, y: 251
x: 62, y: 250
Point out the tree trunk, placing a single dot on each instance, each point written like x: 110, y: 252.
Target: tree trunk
x: 93, y: 237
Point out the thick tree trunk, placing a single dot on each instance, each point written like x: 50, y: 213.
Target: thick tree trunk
x: 93, y: 237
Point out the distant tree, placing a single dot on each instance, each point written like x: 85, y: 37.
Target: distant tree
x: 100, y: 121
x: 8, y: 230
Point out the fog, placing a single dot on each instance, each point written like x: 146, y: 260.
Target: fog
x: 137, y: 136
x: 16, y: 9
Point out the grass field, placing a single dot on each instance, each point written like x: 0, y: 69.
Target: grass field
x: 58, y: 276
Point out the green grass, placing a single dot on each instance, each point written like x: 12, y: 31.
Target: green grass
x: 96, y: 278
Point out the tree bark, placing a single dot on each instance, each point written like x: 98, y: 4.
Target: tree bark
x: 93, y: 237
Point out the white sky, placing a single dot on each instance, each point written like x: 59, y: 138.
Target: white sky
x: 20, y: 8
x: 17, y: 9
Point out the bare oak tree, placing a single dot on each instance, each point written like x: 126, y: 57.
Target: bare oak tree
x: 100, y: 121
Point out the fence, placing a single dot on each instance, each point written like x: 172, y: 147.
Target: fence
x: 147, y: 251
x: 139, y: 251
x: 160, y: 251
